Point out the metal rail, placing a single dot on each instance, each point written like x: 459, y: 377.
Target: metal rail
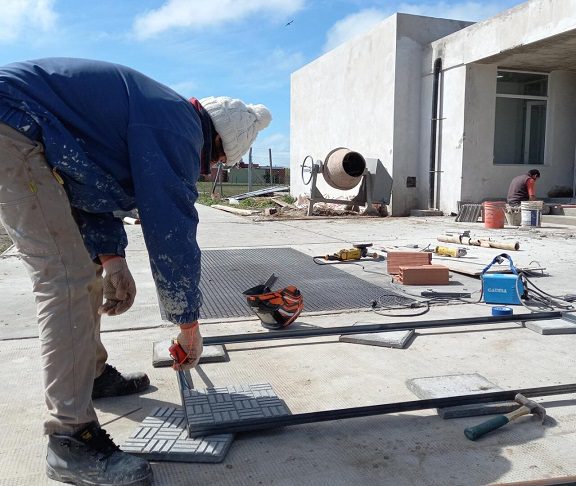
x: 370, y: 328
x: 356, y: 412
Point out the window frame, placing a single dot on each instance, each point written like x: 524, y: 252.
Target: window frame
x: 524, y: 97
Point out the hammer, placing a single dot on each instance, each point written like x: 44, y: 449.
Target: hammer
x: 528, y: 407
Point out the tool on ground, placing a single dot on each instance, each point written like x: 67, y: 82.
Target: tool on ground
x: 499, y: 288
x: 500, y: 310
x: 358, y: 252
x: 180, y: 356
x: 450, y: 251
x: 528, y: 407
x: 277, y: 309
x: 248, y: 425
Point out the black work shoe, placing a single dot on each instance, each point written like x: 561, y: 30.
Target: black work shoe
x: 90, y: 457
x: 112, y: 384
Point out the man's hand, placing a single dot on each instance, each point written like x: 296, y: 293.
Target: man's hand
x: 190, y: 341
x: 119, y: 286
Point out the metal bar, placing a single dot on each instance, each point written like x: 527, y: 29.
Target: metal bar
x: 260, y: 192
x: 369, y: 328
x: 356, y: 412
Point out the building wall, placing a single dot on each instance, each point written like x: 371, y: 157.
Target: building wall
x: 524, y: 24
x: 365, y: 95
x: 413, y: 34
x: 451, y: 137
x: 345, y: 99
x: 560, y: 134
x: 481, y: 179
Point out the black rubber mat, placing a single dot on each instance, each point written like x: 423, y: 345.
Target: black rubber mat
x: 227, y: 273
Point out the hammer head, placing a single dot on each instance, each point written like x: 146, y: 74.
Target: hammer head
x: 535, y: 408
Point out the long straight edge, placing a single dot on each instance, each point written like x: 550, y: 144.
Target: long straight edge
x: 369, y: 328
x: 356, y: 412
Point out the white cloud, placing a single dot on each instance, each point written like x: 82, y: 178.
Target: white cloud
x: 197, y: 14
x: 360, y: 22
x: 271, y: 71
x: 23, y: 17
x: 353, y: 25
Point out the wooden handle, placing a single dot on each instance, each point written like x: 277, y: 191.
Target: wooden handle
x: 479, y: 430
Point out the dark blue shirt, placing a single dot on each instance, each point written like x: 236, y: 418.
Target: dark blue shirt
x: 119, y: 140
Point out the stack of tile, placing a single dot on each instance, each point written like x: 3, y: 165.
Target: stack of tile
x: 424, y: 275
x: 396, y: 259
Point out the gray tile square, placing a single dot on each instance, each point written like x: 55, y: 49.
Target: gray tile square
x: 390, y: 339
x: 454, y: 385
x: 163, y: 436
x: 552, y: 326
x: 232, y: 403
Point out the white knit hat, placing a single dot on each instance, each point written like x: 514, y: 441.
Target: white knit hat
x: 236, y: 123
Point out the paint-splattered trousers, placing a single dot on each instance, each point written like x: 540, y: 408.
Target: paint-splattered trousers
x: 67, y: 284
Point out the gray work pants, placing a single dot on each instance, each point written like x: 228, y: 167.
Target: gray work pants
x: 67, y: 284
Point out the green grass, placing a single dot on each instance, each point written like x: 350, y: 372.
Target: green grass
x: 5, y: 243
x: 228, y: 190
x: 231, y: 190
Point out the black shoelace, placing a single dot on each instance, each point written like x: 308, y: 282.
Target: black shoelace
x: 98, y: 440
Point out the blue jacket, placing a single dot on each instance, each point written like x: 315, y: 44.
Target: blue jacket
x: 120, y: 141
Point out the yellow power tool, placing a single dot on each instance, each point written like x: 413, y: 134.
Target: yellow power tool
x: 450, y: 251
x: 357, y: 253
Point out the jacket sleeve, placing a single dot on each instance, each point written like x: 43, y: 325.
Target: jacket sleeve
x: 103, y: 234
x: 165, y: 167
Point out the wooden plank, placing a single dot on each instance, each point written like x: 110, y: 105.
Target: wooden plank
x: 283, y: 204
x: 474, y: 270
x: 241, y: 212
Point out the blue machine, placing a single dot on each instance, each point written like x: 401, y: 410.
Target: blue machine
x: 501, y: 288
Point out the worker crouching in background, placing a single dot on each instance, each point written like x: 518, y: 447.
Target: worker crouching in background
x: 523, y: 188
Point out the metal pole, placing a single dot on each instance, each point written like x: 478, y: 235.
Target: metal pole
x: 199, y: 430
x: 369, y: 328
x: 250, y: 170
x: 271, y: 171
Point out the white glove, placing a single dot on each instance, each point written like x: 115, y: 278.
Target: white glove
x: 190, y: 341
x: 119, y: 287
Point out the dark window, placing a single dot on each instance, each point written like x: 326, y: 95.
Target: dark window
x: 520, y: 129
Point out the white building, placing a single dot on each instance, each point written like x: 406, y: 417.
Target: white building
x: 506, y: 103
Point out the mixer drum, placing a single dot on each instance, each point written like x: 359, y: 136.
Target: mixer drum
x: 343, y: 168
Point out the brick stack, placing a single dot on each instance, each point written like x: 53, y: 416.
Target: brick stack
x: 424, y: 275
x: 396, y: 259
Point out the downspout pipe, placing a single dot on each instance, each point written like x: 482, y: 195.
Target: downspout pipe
x: 434, y: 133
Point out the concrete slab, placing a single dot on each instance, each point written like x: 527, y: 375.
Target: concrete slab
x: 210, y: 354
x: 232, y: 403
x: 319, y: 374
x: 454, y: 385
x: 393, y: 339
x: 163, y: 436
x: 552, y: 326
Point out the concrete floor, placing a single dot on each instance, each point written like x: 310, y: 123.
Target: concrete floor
x: 416, y: 448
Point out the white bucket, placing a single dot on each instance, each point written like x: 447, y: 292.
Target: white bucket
x: 531, y: 213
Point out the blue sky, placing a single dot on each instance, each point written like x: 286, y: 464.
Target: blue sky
x: 238, y: 48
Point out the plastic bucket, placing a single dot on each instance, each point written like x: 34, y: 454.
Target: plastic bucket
x: 513, y: 215
x: 531, y: 213
x: 494, y: 214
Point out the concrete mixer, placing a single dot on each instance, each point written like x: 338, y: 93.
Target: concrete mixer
x: 344, y: 169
